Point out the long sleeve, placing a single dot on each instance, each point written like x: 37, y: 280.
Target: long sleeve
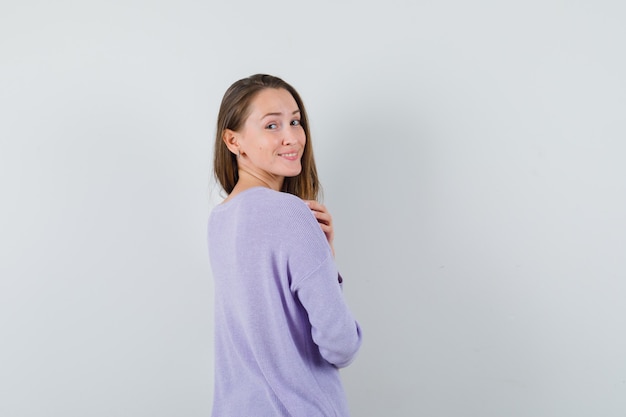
x: 333, y: 328
x: 315, y: 283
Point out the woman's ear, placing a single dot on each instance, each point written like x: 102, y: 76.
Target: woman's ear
x: 231, y: 140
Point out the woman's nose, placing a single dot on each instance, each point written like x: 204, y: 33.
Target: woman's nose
x: 288, y: 139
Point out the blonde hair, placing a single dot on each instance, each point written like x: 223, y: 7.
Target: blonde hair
x: 234, y: 111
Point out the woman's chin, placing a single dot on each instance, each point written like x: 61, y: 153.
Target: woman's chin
x: 293, y: 173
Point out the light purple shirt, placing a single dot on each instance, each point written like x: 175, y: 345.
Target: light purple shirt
x: 282, y: 327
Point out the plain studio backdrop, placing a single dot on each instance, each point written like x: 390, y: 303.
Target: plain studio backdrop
x: 472, y: 155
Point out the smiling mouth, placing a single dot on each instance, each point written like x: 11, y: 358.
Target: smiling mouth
x: 289, y: 155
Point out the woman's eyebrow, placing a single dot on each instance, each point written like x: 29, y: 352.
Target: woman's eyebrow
x: 279, y: 113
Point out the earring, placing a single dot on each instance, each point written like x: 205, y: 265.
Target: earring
x: 238, y: 153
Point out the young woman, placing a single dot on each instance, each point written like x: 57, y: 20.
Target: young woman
x: 282, y: 328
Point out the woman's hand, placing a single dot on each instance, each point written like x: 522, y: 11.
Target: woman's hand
x: 324, y: 219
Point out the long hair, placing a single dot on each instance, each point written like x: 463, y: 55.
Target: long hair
x: 234, y: 111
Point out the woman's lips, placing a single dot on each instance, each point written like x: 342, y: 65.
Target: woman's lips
x: 291, y: 155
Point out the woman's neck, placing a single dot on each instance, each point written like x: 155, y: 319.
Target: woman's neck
x: 249, y: 180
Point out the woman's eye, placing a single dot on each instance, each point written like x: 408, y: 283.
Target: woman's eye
x: 271, y: 126
x: 295, y: 123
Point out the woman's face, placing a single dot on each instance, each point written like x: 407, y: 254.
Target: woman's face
x: 272, y: 140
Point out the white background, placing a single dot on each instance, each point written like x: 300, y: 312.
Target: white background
x: 472, y: 154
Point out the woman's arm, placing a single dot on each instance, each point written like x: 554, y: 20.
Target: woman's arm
x: 315, y: 283
x: 325, y: 221
x: 333, y: 328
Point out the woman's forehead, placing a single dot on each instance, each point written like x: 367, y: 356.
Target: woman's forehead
x: 271, y: 101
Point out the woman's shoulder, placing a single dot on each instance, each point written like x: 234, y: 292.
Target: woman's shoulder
x: 265, y: 202
x: 275, y: 209
x: 275, y: 202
